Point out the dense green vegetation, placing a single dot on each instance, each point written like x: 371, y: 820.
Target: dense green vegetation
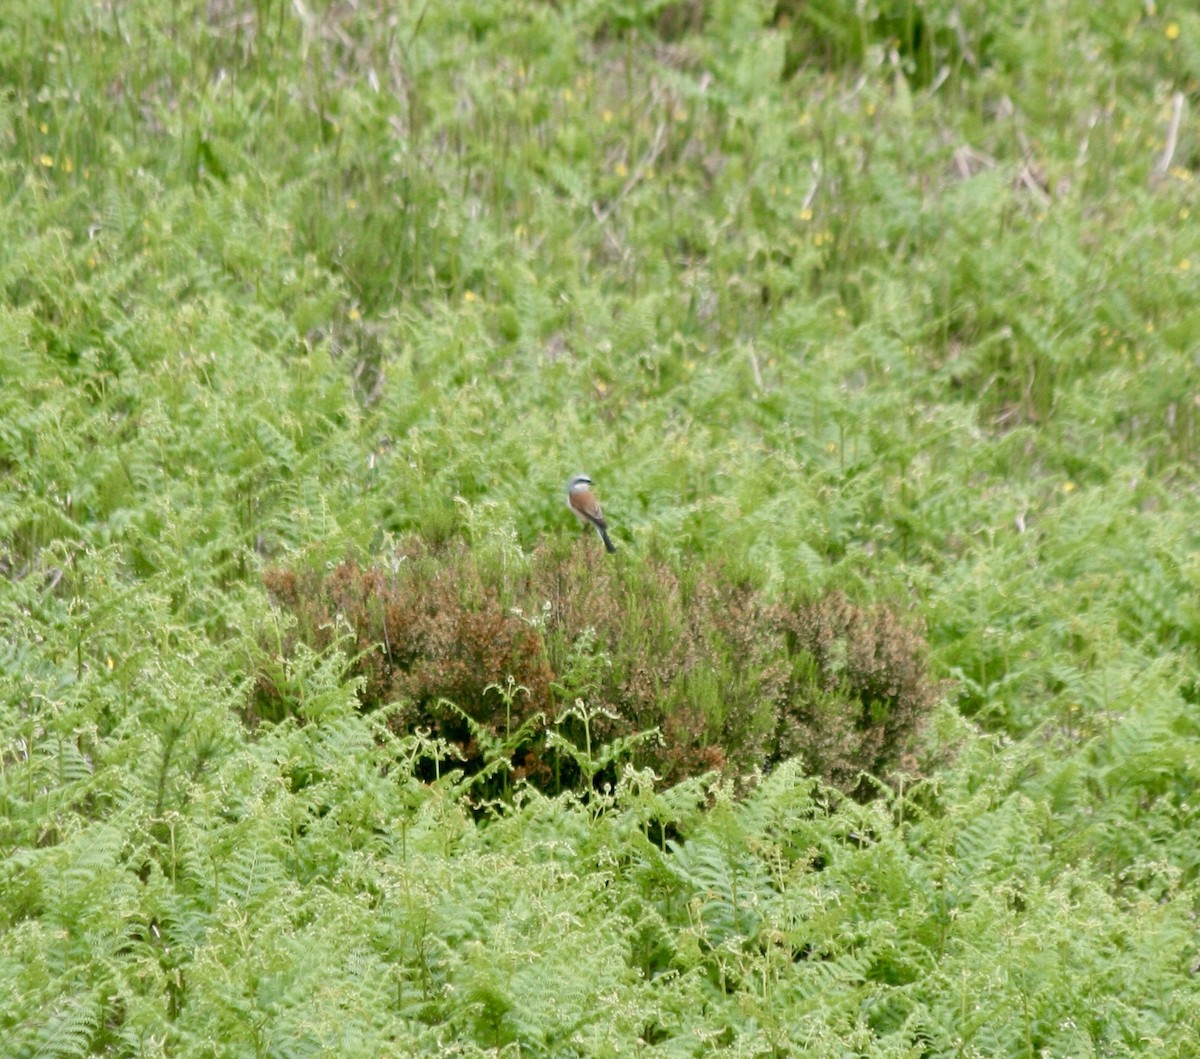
x: 891, y: 307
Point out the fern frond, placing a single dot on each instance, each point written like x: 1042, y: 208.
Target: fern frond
x: 69, y: 1029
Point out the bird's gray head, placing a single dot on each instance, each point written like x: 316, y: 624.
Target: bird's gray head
x: 577, y: 481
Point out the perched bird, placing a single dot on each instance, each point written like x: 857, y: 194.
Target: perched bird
x: 586, y: 507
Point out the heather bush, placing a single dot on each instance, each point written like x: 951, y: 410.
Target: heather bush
x: 723, y: 678
x: 859, y: 690
x: 427, y: 633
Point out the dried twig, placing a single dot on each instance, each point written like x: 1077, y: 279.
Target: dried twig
x: 1085, y: 142
x: 1030, y: 177
x: 967, y: 161
x: 816, y: 184
x: 637, y: 176
x: 1163, y: 166
x: 758, y: 379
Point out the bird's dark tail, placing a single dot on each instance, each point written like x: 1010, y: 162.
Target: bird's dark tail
x: 609, y: 546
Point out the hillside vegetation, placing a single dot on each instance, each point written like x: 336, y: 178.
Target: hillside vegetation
x: 323, y: 729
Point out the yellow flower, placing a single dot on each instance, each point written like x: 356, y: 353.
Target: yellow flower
x: 1068, y: 487
x: 1184, y: 264
x: 469, y: 296
x: 806, y: 214
x: 607, y: 116
x: 354, y: 314
x: 1172, y: 31
x: 47, y: 161
x: 621, y: 169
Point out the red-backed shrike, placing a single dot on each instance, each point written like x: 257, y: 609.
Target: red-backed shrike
x: 587, y: 508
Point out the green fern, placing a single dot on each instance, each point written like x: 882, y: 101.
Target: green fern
x: 70, y: 1029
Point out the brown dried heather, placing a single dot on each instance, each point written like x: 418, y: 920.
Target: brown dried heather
x: 428, y: 632
x: 691, y: 657
x: 860, y: 689
x: 729, y: 680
